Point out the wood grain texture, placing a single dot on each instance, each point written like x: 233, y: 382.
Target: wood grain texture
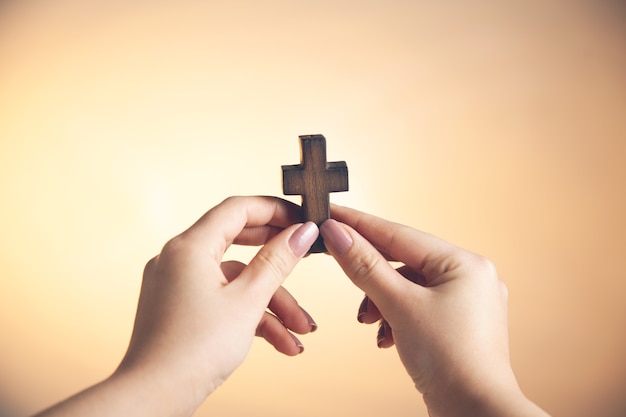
x: 314, y: 179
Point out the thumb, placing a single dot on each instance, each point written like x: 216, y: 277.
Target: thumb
x: 365, y: 266
x: 275, y: 260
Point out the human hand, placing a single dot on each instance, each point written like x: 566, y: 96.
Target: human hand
x: 445, y: 310
x: 197, y: 316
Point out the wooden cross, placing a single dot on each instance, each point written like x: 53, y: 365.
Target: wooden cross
x: 314, y: 179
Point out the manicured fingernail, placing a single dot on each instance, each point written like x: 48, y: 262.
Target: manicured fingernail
x: 310, y: 320
x: 302, y: 239
x: 298, y: 343
x: 382, y: 333
x: 336, y: 238
x: 362, y: 309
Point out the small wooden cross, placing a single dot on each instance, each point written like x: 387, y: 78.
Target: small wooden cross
x: 314, y: 179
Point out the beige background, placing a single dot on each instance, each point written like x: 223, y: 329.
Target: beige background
x: 498, y: 125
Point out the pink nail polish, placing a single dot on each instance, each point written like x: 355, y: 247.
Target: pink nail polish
x: 336, y: 238
x: 302, y: 239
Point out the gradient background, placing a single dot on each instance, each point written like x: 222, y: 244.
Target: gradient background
x: 500, y: 126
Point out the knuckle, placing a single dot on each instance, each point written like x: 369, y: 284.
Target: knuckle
x: 366, y: 268
x: 483, y: 265
x: 234, y: 199
x: 276, y: 264
x: 150, y: 266
x: 487, y: 265
x: 486, y: 269
x: 180, y: 250
x: 174, y: 247
x: 229, y: 203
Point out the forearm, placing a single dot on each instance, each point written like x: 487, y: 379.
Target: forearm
x: 124, y: 394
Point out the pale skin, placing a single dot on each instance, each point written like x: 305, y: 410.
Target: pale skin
x: 445, y: 311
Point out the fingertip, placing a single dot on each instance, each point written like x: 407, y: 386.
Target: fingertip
x: 303, y: 238
x: 362, y: 309
x: 384, y: 338
x: 298, y: 344
x: 368, y: 312
x: 275, y: 333
x: 310, y: 321
x: 336, y: 238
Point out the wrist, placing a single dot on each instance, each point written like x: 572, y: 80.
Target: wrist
x: 495, y: 397
x: 158, y: 392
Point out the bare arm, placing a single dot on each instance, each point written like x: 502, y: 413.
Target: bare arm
x: 197, y: 316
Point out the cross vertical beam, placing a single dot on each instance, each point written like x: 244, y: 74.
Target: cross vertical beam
x: 314, y: 179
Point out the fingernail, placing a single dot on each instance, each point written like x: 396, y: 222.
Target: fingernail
x: 302, y: 239
x: 310, y: 320
x: 336, y: 238
x: 298, y: 343
x: 362, y: 309
x: 382, y: 330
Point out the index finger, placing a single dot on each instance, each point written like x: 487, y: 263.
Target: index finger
x: 220, y: 226
x: 420, y: 251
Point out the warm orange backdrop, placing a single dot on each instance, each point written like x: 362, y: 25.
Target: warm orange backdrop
x: 498, y: 125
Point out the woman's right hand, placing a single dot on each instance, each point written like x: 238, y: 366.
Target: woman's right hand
x: 445, y: 310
